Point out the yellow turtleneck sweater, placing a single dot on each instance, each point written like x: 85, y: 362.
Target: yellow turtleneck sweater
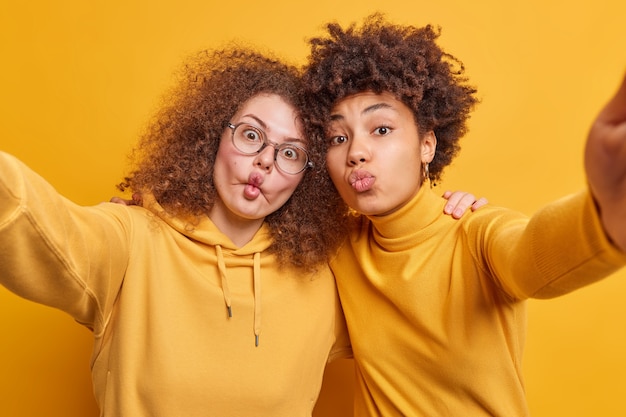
x: 435, y: 306
x: 156, y: 295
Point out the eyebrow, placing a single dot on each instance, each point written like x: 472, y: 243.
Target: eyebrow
x: 369, y: 109
x: 259, y: 121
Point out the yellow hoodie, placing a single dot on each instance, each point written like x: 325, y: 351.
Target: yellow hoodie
x: 435, y: 306
x: 184, y: 322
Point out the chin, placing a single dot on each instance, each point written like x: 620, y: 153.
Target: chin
x: 366, y: 211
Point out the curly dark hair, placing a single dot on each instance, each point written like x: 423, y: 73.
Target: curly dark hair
x: 402, y: 60
x: 175, y: 155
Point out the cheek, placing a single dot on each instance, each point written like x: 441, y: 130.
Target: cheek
x: 406, y: 158
x: 334, y: 163
x: 281, y: 190
x: 282, y: 185
x: 227, y: 159
x: 292, y: 182
x: 220, y: 167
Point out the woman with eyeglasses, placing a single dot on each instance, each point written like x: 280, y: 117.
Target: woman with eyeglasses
x: 215, y: 297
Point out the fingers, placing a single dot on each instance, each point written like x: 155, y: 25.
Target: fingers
x: 458, y: 203
x: 118, y: 200
x: 453, y: 197
x: 482, y: 201
x: 137, y: 199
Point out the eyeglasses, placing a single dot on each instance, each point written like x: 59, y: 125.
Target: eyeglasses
x: 289, y: 157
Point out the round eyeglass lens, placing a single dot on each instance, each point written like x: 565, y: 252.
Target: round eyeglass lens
x: 289, y: 157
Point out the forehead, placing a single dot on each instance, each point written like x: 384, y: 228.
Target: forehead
x: 368, y: 102
x: 272, y: 113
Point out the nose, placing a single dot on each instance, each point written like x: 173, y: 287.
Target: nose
x: 265, y: 159
x: 358, y: 152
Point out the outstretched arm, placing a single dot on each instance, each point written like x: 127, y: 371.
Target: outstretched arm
x: 605, y: 165
x: 57, y: 253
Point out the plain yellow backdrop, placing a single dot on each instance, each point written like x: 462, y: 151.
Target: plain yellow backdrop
x: 79, y: 78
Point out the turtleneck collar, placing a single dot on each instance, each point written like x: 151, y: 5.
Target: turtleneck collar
x: 399, y: 229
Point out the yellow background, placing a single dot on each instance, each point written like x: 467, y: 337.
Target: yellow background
x: 79, y: 78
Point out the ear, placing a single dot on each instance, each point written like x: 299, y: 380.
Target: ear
x: 429, y: 146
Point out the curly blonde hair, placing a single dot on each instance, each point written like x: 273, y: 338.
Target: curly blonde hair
x: 176, y: 154
x: 403, y: 60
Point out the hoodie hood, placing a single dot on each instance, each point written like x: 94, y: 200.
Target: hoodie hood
x: 204, y: 231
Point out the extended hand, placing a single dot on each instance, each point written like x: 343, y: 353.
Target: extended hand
x: 605, y: 164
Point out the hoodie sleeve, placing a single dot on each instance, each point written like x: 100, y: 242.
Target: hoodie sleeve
x: 57, y: 253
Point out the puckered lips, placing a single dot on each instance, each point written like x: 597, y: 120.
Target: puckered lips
x: 253, y: 188
x: 361, y: 180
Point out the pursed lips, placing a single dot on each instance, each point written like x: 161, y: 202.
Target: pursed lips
x: 361, y: 180
x: 253, y: 187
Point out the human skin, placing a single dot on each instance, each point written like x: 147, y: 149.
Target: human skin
x: 243, y: 206
x: 250, y: 187
x: 376, y: 154
x: 605, y: 165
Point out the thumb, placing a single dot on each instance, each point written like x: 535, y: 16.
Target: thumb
x: 614, y: 112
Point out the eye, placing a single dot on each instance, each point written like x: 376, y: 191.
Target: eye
x: 291, y: 153
x: 337, y: 140
x: 251, y: 135
x: 382, y: 131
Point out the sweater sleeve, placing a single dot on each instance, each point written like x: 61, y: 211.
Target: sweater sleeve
x: 55, y: 252
x: 561, y: 248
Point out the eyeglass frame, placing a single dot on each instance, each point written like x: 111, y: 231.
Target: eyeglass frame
x: 266, y: 143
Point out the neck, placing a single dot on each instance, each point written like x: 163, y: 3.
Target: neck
x: 238, y: 229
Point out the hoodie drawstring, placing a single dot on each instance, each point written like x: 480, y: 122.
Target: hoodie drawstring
x: 256, y: 288
x: 257, y: 297
x: 222, y: 269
